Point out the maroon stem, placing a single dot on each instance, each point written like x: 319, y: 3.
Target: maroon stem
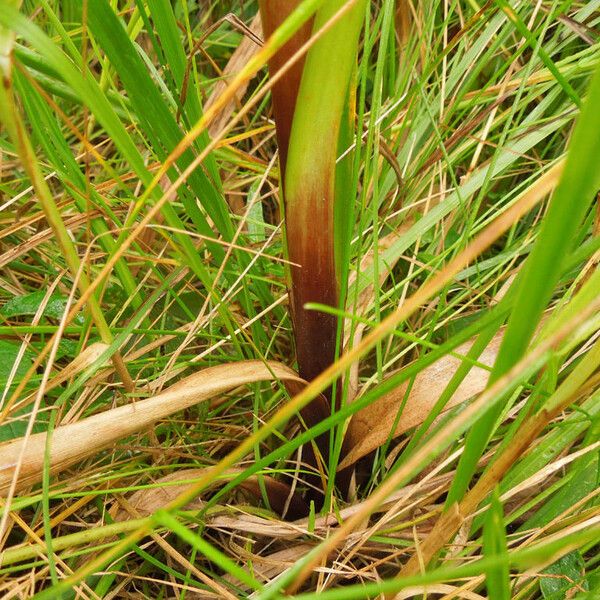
x: 315, y: 278
x: 285, y: 91
x: 313, y: 281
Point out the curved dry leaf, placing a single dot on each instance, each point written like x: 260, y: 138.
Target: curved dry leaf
x: 74, y: 442
x: 372, y: 426
x: 266, y: 568
x: 147, y: 501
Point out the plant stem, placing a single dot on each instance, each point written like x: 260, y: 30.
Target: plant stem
x: 308, y: 112
x: 285, y: 91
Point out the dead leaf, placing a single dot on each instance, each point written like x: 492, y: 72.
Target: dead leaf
x: 147, y: 501
x: 440, y: 588
x: 372, y: 425
x: 81, y: 362
x: 240, y: 57
x: 74, y: 442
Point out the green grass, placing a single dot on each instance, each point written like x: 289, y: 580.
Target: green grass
x: 465, y: 205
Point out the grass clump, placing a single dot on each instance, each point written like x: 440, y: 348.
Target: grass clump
x: 308, y: 310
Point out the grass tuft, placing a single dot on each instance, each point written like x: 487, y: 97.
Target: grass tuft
x: 309, y: 309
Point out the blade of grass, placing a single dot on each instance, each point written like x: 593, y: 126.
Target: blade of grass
x: 162, y: 517
x: 53, y: 142
x: 160, y: 126
x: 532, y: 42
x: 175, y: 62
x: 494, y: 544
x: 156, y: 118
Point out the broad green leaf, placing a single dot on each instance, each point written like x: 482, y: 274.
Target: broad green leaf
x: 563, y: 577
x: 581, y: 480
x: 309, y: 187
x: 8, y: 355
x: 29, y: 304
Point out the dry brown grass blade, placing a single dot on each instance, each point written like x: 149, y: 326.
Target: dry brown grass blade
x: 373, y: 425
x: 74, y: 442
x: 450, y: 591
x: 242, y: 54
x: 32, y: 241
x: 82, y: 361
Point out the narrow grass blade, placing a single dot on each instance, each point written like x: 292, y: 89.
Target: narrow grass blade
x: 156, y: 118
x: 494, y: 544
x: 567, y: 208
x: 162, y: 517
x: 52, y: 140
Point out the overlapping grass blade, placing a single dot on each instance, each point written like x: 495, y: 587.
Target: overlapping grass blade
x: 566, y: 213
